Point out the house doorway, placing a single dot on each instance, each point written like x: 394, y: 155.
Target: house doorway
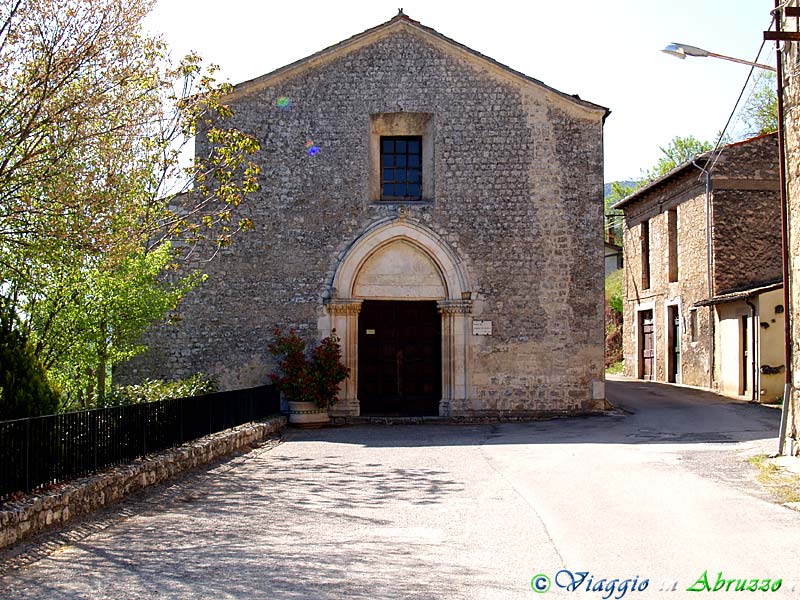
x: 744, y: 357
x: 399, y: 358
x: 674, y: 322
x: 646, y: 345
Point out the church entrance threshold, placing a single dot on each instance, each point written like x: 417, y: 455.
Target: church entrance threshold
x: 399, y: 358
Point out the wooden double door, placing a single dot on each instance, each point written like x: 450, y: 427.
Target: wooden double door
x: 399, y: 358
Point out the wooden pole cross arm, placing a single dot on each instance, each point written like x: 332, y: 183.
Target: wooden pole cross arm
x: 782, y: 36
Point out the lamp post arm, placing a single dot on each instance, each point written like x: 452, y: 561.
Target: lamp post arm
x: 743, y: 62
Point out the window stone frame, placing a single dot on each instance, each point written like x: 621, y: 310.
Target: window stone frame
x: 401, y: 124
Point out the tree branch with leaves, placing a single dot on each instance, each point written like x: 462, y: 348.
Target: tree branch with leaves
x: 97, y: 204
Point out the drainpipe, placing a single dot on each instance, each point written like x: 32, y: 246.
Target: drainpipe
x: 754, y: 329
x: 709, y: 279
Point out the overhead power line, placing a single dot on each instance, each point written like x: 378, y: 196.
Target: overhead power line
x: 714, y: 154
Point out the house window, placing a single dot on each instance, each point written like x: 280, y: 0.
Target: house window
x: 401, y: 151
x: 672, y: 235
x: 645, y: 233
x: 401, y: 167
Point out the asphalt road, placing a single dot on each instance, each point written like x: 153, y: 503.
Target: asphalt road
x: 659, y: 491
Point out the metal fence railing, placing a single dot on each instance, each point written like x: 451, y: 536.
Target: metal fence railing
x: 39, y: 451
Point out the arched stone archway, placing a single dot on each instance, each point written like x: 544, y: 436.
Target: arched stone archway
x: 400, y: 259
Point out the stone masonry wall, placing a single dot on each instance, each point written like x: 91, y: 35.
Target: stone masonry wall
x: 747, y: 239
x: 746, y: 227
x: 38, y: 512
x: 792, y: 139
x: 687, y: 196
x: 518, y: 197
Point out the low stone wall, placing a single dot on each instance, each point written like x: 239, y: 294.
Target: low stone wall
x: 35, y: 513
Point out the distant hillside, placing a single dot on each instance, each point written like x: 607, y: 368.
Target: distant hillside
x: 607, y: 186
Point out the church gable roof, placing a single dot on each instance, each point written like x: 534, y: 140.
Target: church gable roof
x: 403, y: 22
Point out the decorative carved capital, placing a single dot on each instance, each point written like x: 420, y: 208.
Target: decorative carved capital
x: 451, y: 307
x: 343, y: 307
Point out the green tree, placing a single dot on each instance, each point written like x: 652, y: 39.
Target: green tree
x: 677, y: 152
x: 760, y: 112
x: 24, y: 388
x: 90, y: 318
x: 613, y: 290
x: 618, y: 191
x: 94, y: 118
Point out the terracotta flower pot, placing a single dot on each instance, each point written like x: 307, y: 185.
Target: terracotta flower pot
x: 307, y: 415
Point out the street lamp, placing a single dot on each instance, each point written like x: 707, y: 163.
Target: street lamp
x: 683, y: 50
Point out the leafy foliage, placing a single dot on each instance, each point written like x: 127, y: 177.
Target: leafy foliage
x: 760, y: 112
x: 152, y: 390
x: 93, y: 119
x: 613, y: 317
x: 109, y: 308
x: 94, y: 116
x: 613, y: 351
x: 618, y: 191
x: 677, y: 152
x: 613, y: 289
x: 24, y: 388
x: 308, y: 379
x: 327, y: 370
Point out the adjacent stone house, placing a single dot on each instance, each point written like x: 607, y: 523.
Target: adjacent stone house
x: 441, y: 211
x: 702, y: 246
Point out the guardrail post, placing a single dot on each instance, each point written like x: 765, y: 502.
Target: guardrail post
x: 180, y: 418
x: 27, y: 455
x: 96, y: 434
x: 144, y: 429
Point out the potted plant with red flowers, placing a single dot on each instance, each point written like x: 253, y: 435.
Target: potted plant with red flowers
x: 309, y: 381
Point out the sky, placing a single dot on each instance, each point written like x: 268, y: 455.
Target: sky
x: 605, y: 51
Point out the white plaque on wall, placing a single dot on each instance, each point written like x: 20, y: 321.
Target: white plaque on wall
x: 481, y: 328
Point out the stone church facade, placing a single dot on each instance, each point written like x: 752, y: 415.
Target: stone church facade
x: 440, y: 211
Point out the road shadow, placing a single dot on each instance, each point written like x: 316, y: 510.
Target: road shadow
x: 644, y: 413
x: 310, y: 521
x: 262, y: 537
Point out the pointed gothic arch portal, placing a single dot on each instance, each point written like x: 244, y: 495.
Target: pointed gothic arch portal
x: 401, y: 267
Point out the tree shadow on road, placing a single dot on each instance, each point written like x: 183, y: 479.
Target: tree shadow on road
x: 287, y: 526
x: 645, y: 413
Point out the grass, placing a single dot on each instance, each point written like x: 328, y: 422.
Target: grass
x: 614, y: 369
x: 782, y: 484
